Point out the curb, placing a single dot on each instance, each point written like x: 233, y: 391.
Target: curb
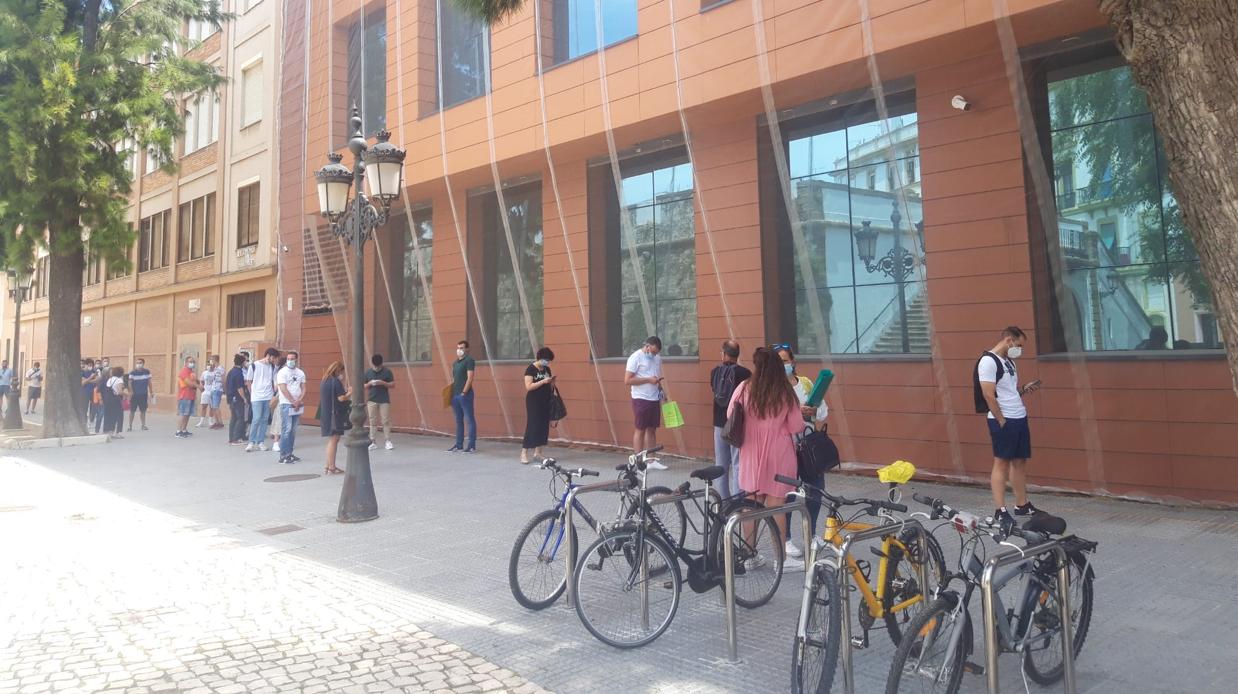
x: 25, y: 443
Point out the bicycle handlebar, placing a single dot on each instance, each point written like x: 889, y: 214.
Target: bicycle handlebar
x: 553, y: 465
x: 842, y: 501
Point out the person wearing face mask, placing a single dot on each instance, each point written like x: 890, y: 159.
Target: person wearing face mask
x: 238, y: 400
x: 462, y: 398
x: 997, y: 392
x: 186, y: 390
x: 379, y: 380
x: 291, y: 384
x: 643, y: 374
x: 34, y: 387
x: 539, y: 386
x: 212, y: 394
x: 105, y: 372
x: 814, y: 417
x: 139, y: 388
x: 261, y: 385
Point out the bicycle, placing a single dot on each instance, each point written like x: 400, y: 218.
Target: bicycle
x: 896, y: 588
x: 936, y: 656
x: 628, y: 582
x: 532, y: 571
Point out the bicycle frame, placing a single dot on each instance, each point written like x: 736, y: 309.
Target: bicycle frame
x: 835, y: 531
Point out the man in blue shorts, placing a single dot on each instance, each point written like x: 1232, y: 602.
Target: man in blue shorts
x: 139, y: 386
x: 998, y: 393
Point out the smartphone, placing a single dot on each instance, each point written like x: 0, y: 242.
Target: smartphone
x: 1031, y: 385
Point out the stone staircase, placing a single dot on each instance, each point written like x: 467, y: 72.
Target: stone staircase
x: 891, y: 338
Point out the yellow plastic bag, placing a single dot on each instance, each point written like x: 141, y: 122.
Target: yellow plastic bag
x: 898, y: 472
x: 672, y: 418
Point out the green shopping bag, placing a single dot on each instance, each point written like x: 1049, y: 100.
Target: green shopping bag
x: 672, y: 418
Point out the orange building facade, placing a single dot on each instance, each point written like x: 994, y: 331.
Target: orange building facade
x: 783, y: 171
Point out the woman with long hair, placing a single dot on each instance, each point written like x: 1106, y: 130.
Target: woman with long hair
x: 333, y: 397
x: 113, y: 401
x: 539, y: 385
x: 813, y: 417
x: 771, y: 421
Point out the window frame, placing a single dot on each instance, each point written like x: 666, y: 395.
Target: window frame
x: 248, y: 308
x: 560, y: 12
x: 249, y: 69
x: 441, y: 91
x: 151, y: 244
x: 248, y: 215
x: 359, y: 38
x: 485, y: 234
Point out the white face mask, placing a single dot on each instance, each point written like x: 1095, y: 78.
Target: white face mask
x: 191, y: 365
x: 292, y: 363
x: 459, y: 353
x: 1014, y: 352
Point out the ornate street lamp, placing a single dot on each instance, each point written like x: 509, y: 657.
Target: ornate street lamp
x: 19, y: 287
x: 355, y: 222
x: 897, y: 264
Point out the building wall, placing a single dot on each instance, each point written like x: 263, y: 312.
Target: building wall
x: 1155, y: 427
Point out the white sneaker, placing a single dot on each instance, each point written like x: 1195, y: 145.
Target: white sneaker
x: 262, y: 446
x: 755, y: 563
x: 249, y: 448
x: 792, y: 564
x: 275, y: 446
x: 792, y: 550
x: 655, y: 465
x: 199, y: 424
x: 373, y: 447
x: 390, y: 447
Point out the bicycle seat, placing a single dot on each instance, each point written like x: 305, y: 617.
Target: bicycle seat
x: 1049, y: 524
x: 708, y: 474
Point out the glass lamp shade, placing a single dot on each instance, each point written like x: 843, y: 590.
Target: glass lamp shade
x: 866, y: 242
x: 334, y: 181
x: 25, y: 279
x: 384, y: 163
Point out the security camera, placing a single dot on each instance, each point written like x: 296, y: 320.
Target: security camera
x: 960, y: 103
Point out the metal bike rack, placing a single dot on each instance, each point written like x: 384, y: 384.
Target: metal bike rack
x: 728, y: 558
x: 1063, y: 602
x: 844, y: 584
x: 619, y: 485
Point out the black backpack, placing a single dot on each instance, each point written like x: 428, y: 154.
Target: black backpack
x: 723, y: 384
x: 982, y: 405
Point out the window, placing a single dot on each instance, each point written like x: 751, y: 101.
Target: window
x: 503, y: 301
x: 128, y: 151
x: 367, y: 72
x: 1125, y: 262
x: 195, y: 235
x: 247, y: 310
x: 116, y: 270
x: 848, y: 266
x: 153, y: 238
x: 93, y: 272
x: 413, y: 302
x: 251, y: 94
x: 153, y: 160
x: 247, y: 5
x: 200, y: 29
x: 247, y: 224
x: 576, y: 25
x: 40, y: 284
x: 648, y: 244
x: 201, y: 121
x: 464, y: 51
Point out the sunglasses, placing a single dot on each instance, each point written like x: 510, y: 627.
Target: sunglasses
x: 780, y: 347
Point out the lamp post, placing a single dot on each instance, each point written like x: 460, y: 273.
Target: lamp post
x: 19, y: 287
x: 355, y: 221
x: 897, y: 264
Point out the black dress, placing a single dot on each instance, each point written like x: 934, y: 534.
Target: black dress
x: 537, y: 409
x: 334, y: 414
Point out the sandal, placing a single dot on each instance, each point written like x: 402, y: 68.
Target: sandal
x: 332, y: 471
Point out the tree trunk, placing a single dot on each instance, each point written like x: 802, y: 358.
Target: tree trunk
x: 63, y: 413
x: 1185, y: 55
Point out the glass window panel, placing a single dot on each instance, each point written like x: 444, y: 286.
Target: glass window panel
x: 208, y: 226
x: 1095, y: 97
x: 836, y: 332
x: 367, y: 71
x: 875, y: 141
x: 674, y: 267
x: 525, y: 221
x: 824, y: 212
x: 1120, y: 308
x: 672, y: 180
x: 463, y: 46
x: 818, y: 153
x: 675, y: 220
x: 637, y: 190
x: 640, y: 225
x: 184, y: 233
x: 628, y: 287
x: 1194, y: 324
x: 415, y: 322
x: 576, y: 25
x: 892, y: 318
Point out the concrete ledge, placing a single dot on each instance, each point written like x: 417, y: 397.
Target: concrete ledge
x: 30, y: 443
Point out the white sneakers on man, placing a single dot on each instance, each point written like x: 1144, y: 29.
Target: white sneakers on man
x: 390, y: 447
x: 792, y: 550
x: 373, y: 447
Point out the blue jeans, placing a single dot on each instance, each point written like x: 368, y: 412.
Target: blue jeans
x: 462, y: 406
x: 288, y: 430
x: 258, y: 428
x: 726, y: 456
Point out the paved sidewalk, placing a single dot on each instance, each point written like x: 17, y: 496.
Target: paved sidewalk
x: 1164, y: 616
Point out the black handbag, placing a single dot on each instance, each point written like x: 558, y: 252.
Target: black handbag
x: 558, y: 410
x: 815, y: 454
x: 733, y: 430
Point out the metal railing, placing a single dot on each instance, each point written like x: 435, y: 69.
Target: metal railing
x: 728, y: 559
x: 844, y: 583
x: 991, y: 645
x: 619, y: 485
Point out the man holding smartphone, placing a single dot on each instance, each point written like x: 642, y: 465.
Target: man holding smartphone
x: 644, y: 375
x: 998, y: 393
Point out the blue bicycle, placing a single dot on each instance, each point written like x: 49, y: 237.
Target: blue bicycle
x: 536, y: 571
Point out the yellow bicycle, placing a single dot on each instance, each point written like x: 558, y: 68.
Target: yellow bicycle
x: 893, y: 594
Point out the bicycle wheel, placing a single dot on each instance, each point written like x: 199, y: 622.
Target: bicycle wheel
x: 1042, y: 661
x: 923, y: 662
x: 758, y: 555
x: 627, y: 592
x: 815, y: 657
x: 903, y: 581
x: 536, y: 571
x: 672, y: 514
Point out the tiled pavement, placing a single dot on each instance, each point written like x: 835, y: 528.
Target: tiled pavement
x: 437, y: 558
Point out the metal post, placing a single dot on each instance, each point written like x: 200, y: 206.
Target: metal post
x: 357, y: 500
x: 728, y: 560
x: 12, y: 416
x: 569, y: 520
x: 991, y: 650
x: 844, y: 583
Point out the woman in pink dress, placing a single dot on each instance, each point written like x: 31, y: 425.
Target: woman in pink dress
x: 771, y: 420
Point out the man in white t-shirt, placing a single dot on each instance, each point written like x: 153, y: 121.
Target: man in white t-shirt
x: 998, y: 393
x: 644, y: 375
x: 261, y: 384
x: 291, y: 384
